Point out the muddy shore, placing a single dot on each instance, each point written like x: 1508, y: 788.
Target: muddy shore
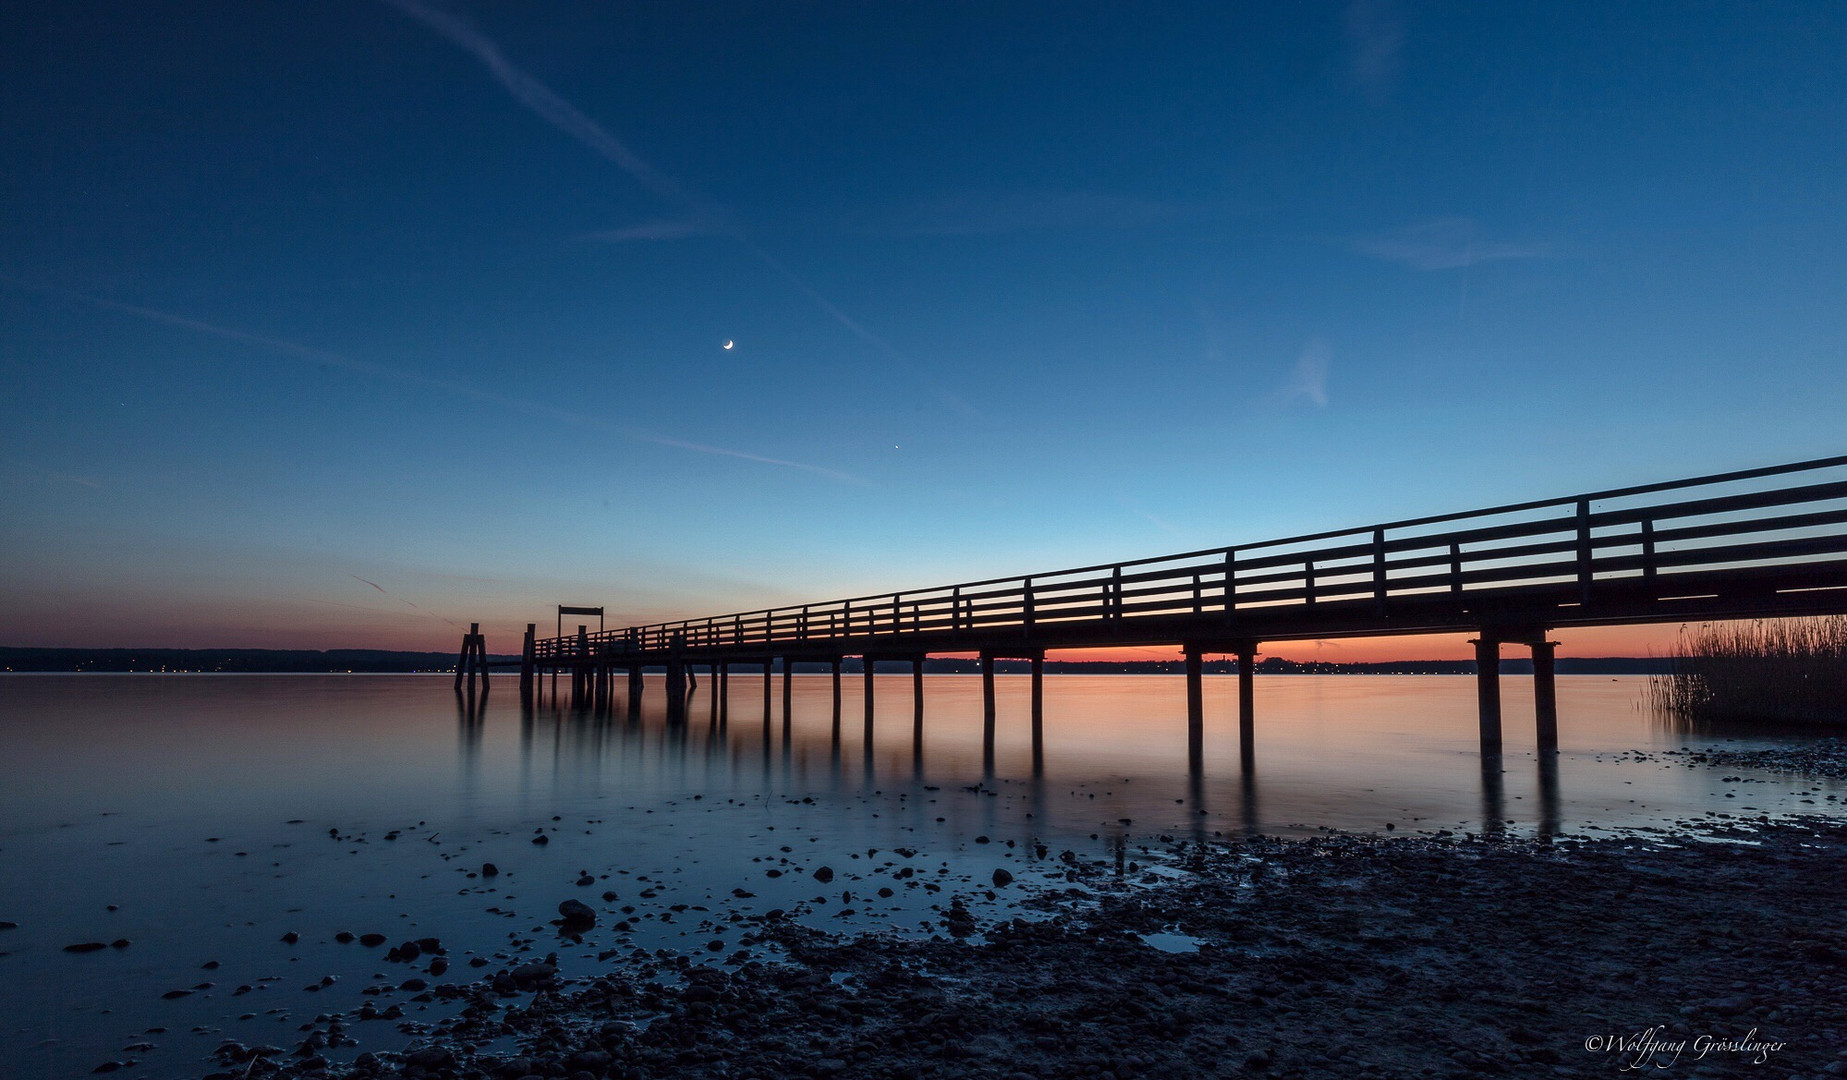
x: 1723, y: 955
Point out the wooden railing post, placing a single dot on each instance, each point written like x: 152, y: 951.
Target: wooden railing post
x: 1378, y: 571
x: 1116, y: 595
x: 1231, y: 582
x: 1584, y: 551
x: 1455, y: 570
x: 1308, y: 582
x: 1027, y: 611
x: 1648, y: 550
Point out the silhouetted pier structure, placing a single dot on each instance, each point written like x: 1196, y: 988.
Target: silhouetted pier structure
x: 1755, y: 543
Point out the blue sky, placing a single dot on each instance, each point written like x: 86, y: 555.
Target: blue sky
x: 342, y: 324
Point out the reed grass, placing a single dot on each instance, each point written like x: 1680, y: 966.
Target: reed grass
x: 1768, y: 670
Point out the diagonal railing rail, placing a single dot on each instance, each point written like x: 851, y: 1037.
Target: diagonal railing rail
x: 1780, y: 528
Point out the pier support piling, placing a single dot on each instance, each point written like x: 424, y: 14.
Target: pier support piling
x: 1488, y: 690
x: 834, y: 670
x: 473, y: 659
x: 528, y: 661
x: 788, y: 692
x: 1038, y: 663
x: 1195, y: 705
x: 676, y: 681
x: 917, y: 674
x: 1545, y: 693
x: 870, y: 664
x: 580, y: 670
x: 987, y: 698
x: 462, y: 659
x: 1247, y: 699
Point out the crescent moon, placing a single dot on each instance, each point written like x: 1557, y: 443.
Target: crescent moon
x: 728, y: 343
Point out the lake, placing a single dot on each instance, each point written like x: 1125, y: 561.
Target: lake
x: 203, y: 817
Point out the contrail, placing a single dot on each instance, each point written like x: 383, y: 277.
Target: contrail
x: 544, y: 102
x: 401, y: 600
x: 541, y: 99
x: 461, y: 389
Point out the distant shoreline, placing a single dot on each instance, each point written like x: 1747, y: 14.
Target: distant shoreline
x: 378, y: 661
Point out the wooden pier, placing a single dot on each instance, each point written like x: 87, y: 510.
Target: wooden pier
x: 1755, y: 543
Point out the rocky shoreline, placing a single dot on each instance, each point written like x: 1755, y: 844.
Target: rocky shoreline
x: 1824, y: 758
x: 1719, y: 955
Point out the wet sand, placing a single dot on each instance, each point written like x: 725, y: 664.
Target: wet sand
x: 1336, y: 955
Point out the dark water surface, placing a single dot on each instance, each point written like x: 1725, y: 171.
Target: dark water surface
x: 217, y: 813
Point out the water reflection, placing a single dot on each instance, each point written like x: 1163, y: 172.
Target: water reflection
x: 586, y: 738
x: 627, y: 739
x: 1706, y: 729
x: 470, y: 729
x: 1108, y: 749
x: 1247, y: 790
x: 470, y: 723
x: 1549, y: 814
x: 1493, y: 794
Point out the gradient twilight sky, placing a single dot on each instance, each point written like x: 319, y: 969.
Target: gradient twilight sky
x: 345, y: 324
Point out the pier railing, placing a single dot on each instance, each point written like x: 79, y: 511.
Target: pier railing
x: 1772, y: 528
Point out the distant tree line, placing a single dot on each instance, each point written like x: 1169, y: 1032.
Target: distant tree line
x: 378, y: 660
x: 248, y: 661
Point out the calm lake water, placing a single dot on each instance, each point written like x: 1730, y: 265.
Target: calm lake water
x: 217, y: 813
